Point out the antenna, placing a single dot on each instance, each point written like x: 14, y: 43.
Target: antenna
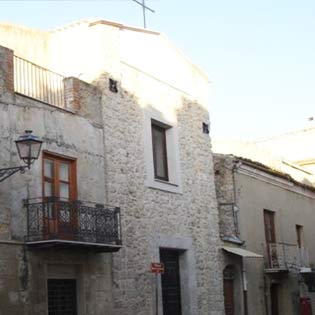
x: 144, y: 8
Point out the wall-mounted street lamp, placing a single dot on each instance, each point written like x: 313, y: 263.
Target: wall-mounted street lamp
x: 28, y: 147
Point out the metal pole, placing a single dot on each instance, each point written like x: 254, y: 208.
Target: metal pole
x: 143, y: 8
x: 156, y: 293
x: 244, y: 287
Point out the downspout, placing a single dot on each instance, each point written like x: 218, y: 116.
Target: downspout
x: 236, y: 165
x: 266, y: 295
x: 244, y: 287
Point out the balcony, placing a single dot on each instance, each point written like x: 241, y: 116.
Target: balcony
x: 38, y: 83
x: 56, y: 223
x: 283, y: 257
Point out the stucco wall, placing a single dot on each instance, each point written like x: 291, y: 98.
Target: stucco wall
x: 30, y: 44
x: 292, y: 206
x: 78, y: 134
x: 253, y: 191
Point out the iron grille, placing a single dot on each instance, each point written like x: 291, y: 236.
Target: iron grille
x: 62, y: 297
x: 57, y: 219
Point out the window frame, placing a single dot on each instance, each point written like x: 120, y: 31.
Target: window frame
x: 299, y: 235
x: 157, y: 126
x: 173, y: 185
x: 270, y: 228
x: 55, y: 179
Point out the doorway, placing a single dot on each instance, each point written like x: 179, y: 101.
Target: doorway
x: 274, y: 299
x: 171, y: 289
x: 228, y: 290
x: 62, y: 296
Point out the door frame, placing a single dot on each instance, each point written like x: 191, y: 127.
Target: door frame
x: 54, y: 221
x: 187, y: 262
x: 269, y: 221
x: 229, y: 273
x: 78, y: 274
x: 274, y: 298
x: 177, y: 253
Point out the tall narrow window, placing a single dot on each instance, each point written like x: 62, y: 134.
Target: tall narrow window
x: 269, y: 218
x: 159, y: 151
x: 270, y: 234
x: 299, y: 235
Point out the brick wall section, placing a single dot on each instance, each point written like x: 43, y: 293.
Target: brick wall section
x: 72, y: 94
x: 83, y: 99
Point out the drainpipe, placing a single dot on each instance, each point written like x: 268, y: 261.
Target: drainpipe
x: 244, y: 287
x: 236, y: 165
x: 266, y: 295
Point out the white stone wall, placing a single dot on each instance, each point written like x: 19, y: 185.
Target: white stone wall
x: 149, y: 214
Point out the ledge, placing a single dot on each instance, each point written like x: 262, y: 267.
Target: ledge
x: 164, y: 186
x: 62, y: 244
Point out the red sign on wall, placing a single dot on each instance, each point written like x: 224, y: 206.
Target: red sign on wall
x: 157, y: 267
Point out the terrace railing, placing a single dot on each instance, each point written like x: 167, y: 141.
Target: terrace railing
x: 37, y: 82
x: 286, y: 257
x: 51, y: 219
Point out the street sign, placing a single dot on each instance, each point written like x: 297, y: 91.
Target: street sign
x: 157, y: 267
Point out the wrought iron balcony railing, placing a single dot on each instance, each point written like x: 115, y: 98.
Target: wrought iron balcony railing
x: 285, y: 256
x: 54, y: 221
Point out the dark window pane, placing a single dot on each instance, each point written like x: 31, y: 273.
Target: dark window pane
x: 159, y: 152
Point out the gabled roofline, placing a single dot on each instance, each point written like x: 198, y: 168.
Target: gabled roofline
x: 23, y: 27
x: 142, y: 30
x: 283, y: 135
x: 262, y: 167
x: 122, y: 26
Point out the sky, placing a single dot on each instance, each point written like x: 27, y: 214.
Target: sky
x: 259, y: 55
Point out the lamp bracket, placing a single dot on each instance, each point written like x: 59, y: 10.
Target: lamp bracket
x: 7, y: 172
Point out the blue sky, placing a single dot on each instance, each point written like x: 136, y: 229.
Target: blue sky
x: 258, y: 54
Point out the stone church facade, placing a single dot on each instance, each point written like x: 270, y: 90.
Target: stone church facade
x: 125, y: 176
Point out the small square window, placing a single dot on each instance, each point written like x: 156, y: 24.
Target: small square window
x: 113, y: 86
x: 159, y: 151
x: 205, y: 128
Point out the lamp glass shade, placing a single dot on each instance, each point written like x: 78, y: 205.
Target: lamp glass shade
x: 28, y: 147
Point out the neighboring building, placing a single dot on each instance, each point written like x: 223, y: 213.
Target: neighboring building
x: 295, y: 146
x: 291, y: 152
x: 267, y: 226
x: 132, y: 135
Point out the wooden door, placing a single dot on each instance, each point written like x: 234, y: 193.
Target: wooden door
x: 270, y: 235
x: 228, y: 287
x: 171, y: 282
x: 59, y: 183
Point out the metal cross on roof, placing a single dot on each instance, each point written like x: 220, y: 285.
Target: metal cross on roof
x: 144, y: 8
